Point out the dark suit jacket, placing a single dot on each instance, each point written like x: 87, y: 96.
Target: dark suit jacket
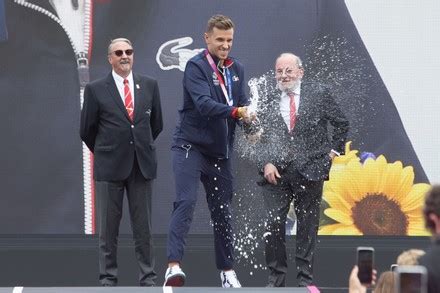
x: 112, y: 137
x: 320, y: 127
x: 431, y: 260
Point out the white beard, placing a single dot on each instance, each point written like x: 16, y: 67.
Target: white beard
x: 289, y: 87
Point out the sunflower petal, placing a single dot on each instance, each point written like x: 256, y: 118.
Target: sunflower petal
x: 373, y: 170
x: 342, y: 185
x: 417, y: 228
x: 415, y: 198
x: 380, y: 167
x: 347, y: 230
x: 353, y: 182
x: 415, y: 213
x: 339, y: 216
x: 406, y: 182
x: 328, y: 229
x: 392, y: 179
x: 336, y: 201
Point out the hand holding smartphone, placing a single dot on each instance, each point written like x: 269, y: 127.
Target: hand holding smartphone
x: 365, y: 263
x: 411, y: 279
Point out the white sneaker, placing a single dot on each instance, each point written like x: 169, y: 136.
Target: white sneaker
x: 174, y: 277
x: 229, y: 279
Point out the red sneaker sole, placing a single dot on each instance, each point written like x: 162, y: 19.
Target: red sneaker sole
x: 177, y: 281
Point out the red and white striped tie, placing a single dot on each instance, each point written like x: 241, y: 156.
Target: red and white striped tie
x: 128, y: 100
x: 292, y: 111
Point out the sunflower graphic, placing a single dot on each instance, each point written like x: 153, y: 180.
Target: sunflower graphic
x: 373, y: 198
x: 341, y: 161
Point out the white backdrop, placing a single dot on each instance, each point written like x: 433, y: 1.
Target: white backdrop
x: 403, y: 39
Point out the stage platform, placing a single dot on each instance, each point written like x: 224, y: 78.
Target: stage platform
x: 36, y: 261
x: 147, y: 290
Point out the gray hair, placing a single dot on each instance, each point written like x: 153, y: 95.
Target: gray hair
x: 112, y: 42
x: 291, y: 55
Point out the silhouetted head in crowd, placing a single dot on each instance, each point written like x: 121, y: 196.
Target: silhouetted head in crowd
x: 431, y: 210
x: 386, y: 283
x: 410, y: 257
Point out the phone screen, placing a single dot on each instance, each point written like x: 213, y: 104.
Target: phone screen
x: 365, y: 264
x: 411, y: 283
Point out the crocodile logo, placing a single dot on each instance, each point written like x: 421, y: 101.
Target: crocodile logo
x: 173, y: 55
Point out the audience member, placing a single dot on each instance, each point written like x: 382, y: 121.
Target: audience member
x: 410, y: 257
x: 431, y: 260
x: 386, y: 283
x: 354, y: 284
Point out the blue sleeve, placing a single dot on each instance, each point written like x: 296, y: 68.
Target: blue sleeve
x: 197, y: 85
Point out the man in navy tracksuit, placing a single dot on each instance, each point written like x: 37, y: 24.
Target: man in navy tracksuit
x: 214, y: 101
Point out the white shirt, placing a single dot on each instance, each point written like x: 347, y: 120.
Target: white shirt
x: 119, y: 80
x: 285, y: 105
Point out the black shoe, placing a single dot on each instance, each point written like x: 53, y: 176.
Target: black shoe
x: 303, y: 284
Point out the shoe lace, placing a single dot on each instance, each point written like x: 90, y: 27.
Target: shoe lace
x: 172, y: 271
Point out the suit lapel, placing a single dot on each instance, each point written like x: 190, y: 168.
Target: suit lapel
x: 304, y: 107
x: 113, y: 90
x: 277, y: 119
x: 138, y: 95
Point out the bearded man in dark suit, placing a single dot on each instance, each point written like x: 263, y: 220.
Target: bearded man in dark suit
x: 120, y: 119
x: 303, y: 129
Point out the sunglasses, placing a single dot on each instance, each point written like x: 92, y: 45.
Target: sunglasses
x: 119, y: 53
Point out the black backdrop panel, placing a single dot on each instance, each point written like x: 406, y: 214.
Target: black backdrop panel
x: 40, y: 153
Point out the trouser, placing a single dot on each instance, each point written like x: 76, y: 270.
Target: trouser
x: 110, y: 196
x: 190, y: 167
x: 307, y: 196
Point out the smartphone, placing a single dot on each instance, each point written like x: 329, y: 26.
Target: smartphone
x: 393, y: 267
x: 365, y: 263
x: 411, y: 279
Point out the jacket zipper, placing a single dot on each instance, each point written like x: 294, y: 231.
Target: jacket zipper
x: 227, y: 139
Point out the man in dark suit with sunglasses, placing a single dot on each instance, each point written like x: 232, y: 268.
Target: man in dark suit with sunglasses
x: 120, y: 119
